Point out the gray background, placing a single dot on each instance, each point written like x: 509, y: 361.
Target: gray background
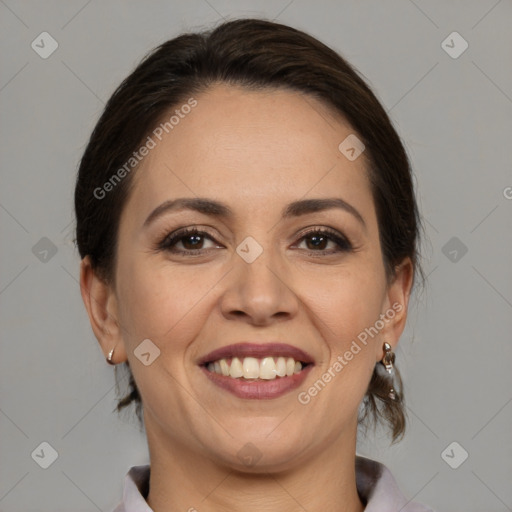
x: 455, y: 117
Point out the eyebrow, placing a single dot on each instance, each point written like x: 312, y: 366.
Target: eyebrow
x: 222, y: 210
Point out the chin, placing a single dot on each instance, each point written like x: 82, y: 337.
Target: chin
x: 263, y: 449
x: 271, y: 459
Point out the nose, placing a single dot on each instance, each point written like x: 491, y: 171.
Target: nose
x: 260, y: 292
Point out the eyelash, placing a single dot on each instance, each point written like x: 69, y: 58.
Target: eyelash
x: 167, y: 243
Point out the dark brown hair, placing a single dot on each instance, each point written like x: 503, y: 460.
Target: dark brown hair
x: 255, y: 54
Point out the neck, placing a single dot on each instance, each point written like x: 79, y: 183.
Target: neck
x: 184, y: 480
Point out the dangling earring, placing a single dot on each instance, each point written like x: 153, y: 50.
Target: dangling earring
x: 387, y: 362
x: 109, y: 357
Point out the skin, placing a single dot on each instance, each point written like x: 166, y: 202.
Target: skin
x: 256, y: 152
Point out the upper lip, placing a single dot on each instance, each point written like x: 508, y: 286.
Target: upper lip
x: 258, y: 350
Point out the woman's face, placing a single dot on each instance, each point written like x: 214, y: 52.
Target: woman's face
x: 253, y: 276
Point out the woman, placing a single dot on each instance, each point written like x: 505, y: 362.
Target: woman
x: 248, y: 228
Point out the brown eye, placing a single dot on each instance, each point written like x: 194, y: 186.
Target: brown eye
x: 192, y: 241
x: 318, y: 240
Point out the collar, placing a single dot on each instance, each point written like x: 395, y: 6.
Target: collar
x: 375, y: 484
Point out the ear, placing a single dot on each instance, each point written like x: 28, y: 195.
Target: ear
x: 101, y: 305
x: 396, y: 305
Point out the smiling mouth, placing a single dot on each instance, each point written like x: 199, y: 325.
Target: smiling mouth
x: 253, y: 368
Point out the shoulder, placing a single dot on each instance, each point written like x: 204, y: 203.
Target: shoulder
x: 378, y: 487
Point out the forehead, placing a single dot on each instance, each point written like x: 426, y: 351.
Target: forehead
x: 250, y: 147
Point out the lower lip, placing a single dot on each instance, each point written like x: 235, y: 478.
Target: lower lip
x: 258, y: 389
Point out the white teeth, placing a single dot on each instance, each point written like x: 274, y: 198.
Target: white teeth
x: 281, y: 367
x: 236, y: 369
x: 251, y: 368
x: 290, y: 366
x: 224, y: 368
x: 266, y: 368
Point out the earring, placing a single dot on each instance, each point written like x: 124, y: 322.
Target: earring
x: 109, y: 357
x: 387, y: 361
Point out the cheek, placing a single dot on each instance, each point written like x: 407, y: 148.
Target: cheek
x: 347, y: 307
x: 161, y: 302
x: 344, y: 312
x: 348, y: 301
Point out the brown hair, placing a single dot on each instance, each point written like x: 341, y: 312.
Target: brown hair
x: 256, y: 54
